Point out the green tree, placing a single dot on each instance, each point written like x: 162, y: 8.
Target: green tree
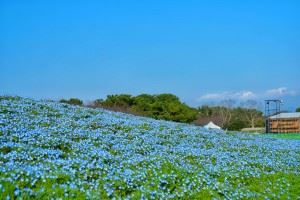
x: 233, y: 118
x: 98, y: 103
x: 298, y: 109
x: 143, y: 104
x: 205, y: 110
x: 162, y: 106
x: 121, y: 100
x: 72, y: 101
x: 167, y: 98
x: 236, y: 125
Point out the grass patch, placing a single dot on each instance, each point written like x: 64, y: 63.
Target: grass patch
x: 290, y: 136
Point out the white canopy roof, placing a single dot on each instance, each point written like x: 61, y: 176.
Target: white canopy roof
x: 211, y: 125
x: 286, y: 115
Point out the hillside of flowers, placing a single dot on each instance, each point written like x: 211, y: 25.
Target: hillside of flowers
x: 52, y: 150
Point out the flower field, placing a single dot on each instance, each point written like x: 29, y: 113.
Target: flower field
x: 52, y: 150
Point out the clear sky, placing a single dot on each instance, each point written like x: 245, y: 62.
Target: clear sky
x: 202, y: 51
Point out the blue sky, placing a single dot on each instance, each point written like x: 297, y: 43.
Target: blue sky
x: 202, y: 51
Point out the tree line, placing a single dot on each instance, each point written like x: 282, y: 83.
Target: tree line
x: 227, y: 114
x: 162, y: 106
x: 235, y: 118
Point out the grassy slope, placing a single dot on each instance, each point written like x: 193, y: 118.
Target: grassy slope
x: 291, y: 136
x: 56, y: 150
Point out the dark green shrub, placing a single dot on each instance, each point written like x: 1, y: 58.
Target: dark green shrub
x: 72, y: 101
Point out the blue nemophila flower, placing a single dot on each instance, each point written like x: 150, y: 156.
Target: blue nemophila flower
x: 80, y: 151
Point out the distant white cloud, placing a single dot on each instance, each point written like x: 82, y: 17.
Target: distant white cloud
x: 246, y: 95
x: 279, y: 92
x: 212, y: 96
x: 241, y: 95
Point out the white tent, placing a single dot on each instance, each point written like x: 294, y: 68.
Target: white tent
x: 211, y: 125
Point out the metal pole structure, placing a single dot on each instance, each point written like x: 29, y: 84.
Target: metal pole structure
x: 272, y: 107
